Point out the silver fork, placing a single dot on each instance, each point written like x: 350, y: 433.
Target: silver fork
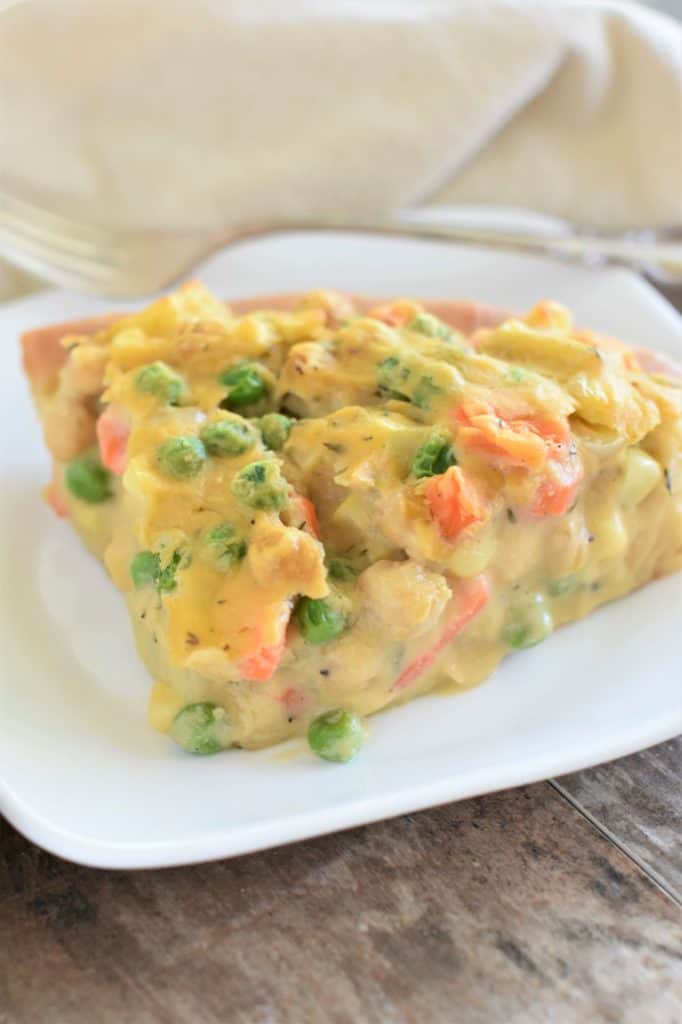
x: 129, y: 263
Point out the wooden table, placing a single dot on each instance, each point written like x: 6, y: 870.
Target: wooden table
x: 557, y: 903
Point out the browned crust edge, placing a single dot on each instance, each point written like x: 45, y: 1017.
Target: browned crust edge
x: 43, y: 353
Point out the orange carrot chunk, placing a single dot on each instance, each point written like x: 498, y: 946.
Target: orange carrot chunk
x: 262, y: 665
x: 469, y: 597
x: 454, y: 502
x: 112, y: 435
x: 513, y: 442
x: 395, y: 314
x: 564, y: 471
x: 559, y: 488
x: 294, y: 700
x: 540, y: 444
x: 308, y: 515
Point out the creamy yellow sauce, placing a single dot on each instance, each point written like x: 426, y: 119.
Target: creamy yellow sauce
x: 536, y: 415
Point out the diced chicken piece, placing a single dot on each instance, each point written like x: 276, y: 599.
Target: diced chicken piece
x: 43, y: 351
x: 404, y: 596
x: 466, y: 317
x: 69, y: 428
x: 84, y: 371
x: 287, y: 555
x: 336, y: 307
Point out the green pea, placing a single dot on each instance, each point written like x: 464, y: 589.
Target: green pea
x: 246, y: 386
x: 275, y: 429
x: 260, y: 485
x: 336, y: 735
x: 144, y: 569
x: 431, y: 326
x: 160, y: 380
x: 392, y: 377
x: 434, y: 457
x: 181, y: 456
x: 394, y: 381
x: 202, y: 728
x: 341, y: 569
x: 318, y: 620
x: 227, y: 437
x: 228, y: 549
x: 424, y: 392
x: 561, y: 587
x: 528, y: 624
x: 88, y: 480
x: 165, y: 578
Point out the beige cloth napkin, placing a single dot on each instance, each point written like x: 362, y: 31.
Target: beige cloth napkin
x: 200, y: 112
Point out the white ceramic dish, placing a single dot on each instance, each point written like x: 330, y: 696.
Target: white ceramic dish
x: 83, y: 775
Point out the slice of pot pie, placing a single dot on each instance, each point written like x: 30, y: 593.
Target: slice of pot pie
x: 317, y: 506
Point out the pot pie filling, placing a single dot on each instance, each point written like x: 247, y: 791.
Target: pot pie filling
x: 319, y: 511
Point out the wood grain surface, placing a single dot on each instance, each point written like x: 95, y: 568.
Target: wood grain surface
x: 511, y: 908
x: 637, y: 803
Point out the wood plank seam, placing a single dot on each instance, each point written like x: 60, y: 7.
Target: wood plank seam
x: 645, y: 868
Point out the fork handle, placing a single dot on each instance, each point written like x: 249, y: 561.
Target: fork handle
x: 662, y: 260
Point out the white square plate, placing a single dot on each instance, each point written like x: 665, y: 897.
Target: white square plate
x: 83, y: 775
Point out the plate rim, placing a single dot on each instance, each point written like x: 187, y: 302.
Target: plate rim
x: 247, y: 838
x: 242, y: 840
